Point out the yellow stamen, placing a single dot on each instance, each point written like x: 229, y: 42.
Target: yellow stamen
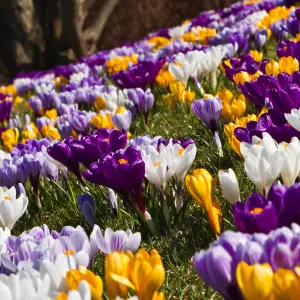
x: 6, y: 198
x: 180, y: 152
x: 122, y: 161
x: 69, y: 252
x: 157, y: 164
x: 256, y: 210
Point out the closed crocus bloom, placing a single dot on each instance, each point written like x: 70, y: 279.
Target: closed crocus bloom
x: 11, y: 208
x: 232, y: 140
x: 122, y: 120
x: 215, y: 217
x: 51, y: 114
x: 229, y: 185
x: 225, y: 95
x: 258, y: 56
x: 288, y: 65
x: 102, y: 121
x: 117, y: 264
x: 294, y: 118
x: 50, y: 131
x: 291, y: 161
x: 208, y: 111
x: 255, y: 281
x: 272, y: 68
x: 238, y: 105
x: 241, y: 77
x: 10, y: 138
x: 88, y: 208
x: 199, y: 185
x: 286, y: 285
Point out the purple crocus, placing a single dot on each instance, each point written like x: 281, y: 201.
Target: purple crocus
x: 256, y: 215
x: 208, y: 111
x: 88, y: 208
x: 123, y: 171
x: 5, y: 107
x: 115, y: 240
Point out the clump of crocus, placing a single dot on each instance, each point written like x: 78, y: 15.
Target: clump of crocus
x: 200, y: 185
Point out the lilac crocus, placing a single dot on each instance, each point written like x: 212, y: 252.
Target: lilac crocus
x: 88, y: 208
x: 208, y: 111
x: 260, y: 38
x: 5, y: 107
x: 122, y: 121
x: 143, y: 100
x: 115, y: 240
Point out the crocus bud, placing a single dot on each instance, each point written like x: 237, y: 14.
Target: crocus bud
x: 122, y: 121
x: 88, y: 207
x: 229, y: 185
x: 113, y: 201
x: 20, y: 190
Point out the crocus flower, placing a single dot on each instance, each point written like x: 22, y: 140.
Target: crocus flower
x: 208, y: 111
x: 199, y: 185
x: 256, y: 215
x: 11, y: 208
x: 146, y: 283
x: 252, y: 287
x: 263, y: 162
x: 291, y: 161
x: 260, y: 38
x: 113, y: 201
x: 294, y: 118
x: 229, y: 185
x: 143, y: 100
x: 4, y: 234
x: 88, y: 208
x: 115, y: 241
x: 122, y: 120
x: 117, y: 263
x: 122, y: 171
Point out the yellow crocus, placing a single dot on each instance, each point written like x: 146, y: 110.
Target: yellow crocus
x: 51, y: 131
x: 199, y: 185
x: 258, y: 56
x: 232, y: 140
x: 232, y: 106
x: 169, y: 99
x: 255, y: 281
x: 147, y: 275
x: 242, y: 122
x: 121, y: 63
x: 51, y: 114
x: 164, y: 76
x: 215, y: 217
x: 159, y: 42
x: 288, y: 65
x: 286, y: 285
x: 74, y: 277
x: 241, y: 78
x: 102, y: 121
x: 272, y: 68
x: 10, y: 138
x: 177, y: 90
x: 117, y: 266
x: 100, y: 103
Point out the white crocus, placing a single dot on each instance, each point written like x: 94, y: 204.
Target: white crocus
x: 24, y: 286
x: 114, y: 99
x: 294, y: 118
x: 291, y: 161
x: 156, y: 167
x: 11, y: 208
x: 229, y: 185
x: 181, y: 71
x: 178, y: 159
x: 83, y: 292
x: 178, y: 31
x: 4, y: 155
x: 4, y: 234
x: 263, y: 162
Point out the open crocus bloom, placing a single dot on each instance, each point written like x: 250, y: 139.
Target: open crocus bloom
x: 11, y: 208
x: 115, y: 241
